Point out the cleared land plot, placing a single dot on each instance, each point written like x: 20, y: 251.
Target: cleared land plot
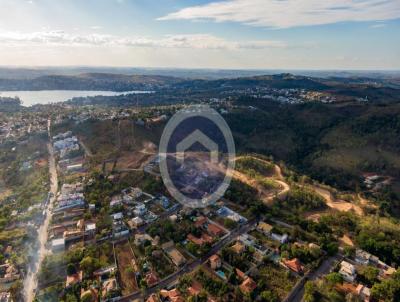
x: 126, y: 271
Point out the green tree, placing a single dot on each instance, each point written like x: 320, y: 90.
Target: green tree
x: 309, y: 292
x: 268, y: 296
x: 388, y: 290
x: 89, y: 265
x: 87, y: 297
x: 71, y: 269
x: 334, y: 278
x: 369, y: 273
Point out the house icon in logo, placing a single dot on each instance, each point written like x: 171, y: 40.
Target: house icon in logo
x: 197, y: 137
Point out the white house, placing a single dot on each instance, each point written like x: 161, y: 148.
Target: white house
x: 348, y: 271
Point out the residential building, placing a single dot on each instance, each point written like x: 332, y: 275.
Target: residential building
x: 265, y: 228
x: 58, y: 245
x: 294, y: 265
x: 348, y: 271
x: 215, y: 262
x: 248, y: 285
x: 281, y: 238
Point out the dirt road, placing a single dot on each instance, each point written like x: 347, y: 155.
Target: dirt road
x: 265, y: 194
x: 30, y: 283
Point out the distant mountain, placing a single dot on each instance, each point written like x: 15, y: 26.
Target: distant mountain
x: 196, y: 73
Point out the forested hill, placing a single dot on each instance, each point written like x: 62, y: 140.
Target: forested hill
x: 9, y: 104
x: 89, y: 81
x: 373, y: 89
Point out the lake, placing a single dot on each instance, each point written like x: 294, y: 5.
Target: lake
x: 30, y: 98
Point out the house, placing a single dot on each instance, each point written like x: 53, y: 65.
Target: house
x: 388, y: 272
x: 75, y: 167
x: 8, y: 273
x: 5, y: 297
x: 90, y: 229
x: 151, y: 278
x: 228, y: 213
x: 264, y: 227
x: 137, y: 222
x: 281, y: 238
x: 92, y: 207
x: 247, y: 239
x: 238, y: 247
x: 240, y: 274
x: 164, y: 201
x: 359, y: 290
x: 153, y: 298
x: 105, y: 271
x: 215, y: 230
x: 74, y: 279
x: 363, y: 292
x: 176, y: 257
x: 215, y: 262
x: 142, y: 238
x: 58, y: 245
x: 200, y: 221
x: 115, y: 202
x: 140, y: 210
x: 117, y: 216
x: 348, y: 271
x: 200, y: 241
x: 294, y: 265
x: 248, y: 285
x: 109, y: 286
x: 362, y: 257
x: 172, y: 295
x: 194, y: 289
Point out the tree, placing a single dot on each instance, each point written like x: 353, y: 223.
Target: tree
x: 349, y: 251
x: 369, y: 273
x: 71, y: 270
x: 309, y: 292
x: 334, y: 278
x: 269, y: 296
x: 89, y: 265
x: 87, y: 297
x: 387, y: 290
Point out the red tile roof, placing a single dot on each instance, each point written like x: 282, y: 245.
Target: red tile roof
x: 248, y: 285
x: 195, y: 289
x: 294, y: 264
x: 215, y: 230
x: 151, y: 278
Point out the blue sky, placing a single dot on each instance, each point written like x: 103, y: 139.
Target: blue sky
x: 276, y: 34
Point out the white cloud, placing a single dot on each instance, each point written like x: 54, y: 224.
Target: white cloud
x: 290, y: 13
x: 196, y: 41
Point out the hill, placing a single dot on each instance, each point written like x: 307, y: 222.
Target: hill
x: 89, y: 81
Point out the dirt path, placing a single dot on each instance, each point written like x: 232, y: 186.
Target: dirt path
x: 88, y: 153
x: 266, y: 195
x: 339, y: 205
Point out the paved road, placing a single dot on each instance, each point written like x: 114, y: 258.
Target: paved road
x: 322, y: 270
x: 189, y: 267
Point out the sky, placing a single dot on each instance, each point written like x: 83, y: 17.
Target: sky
x: 229, y: 34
